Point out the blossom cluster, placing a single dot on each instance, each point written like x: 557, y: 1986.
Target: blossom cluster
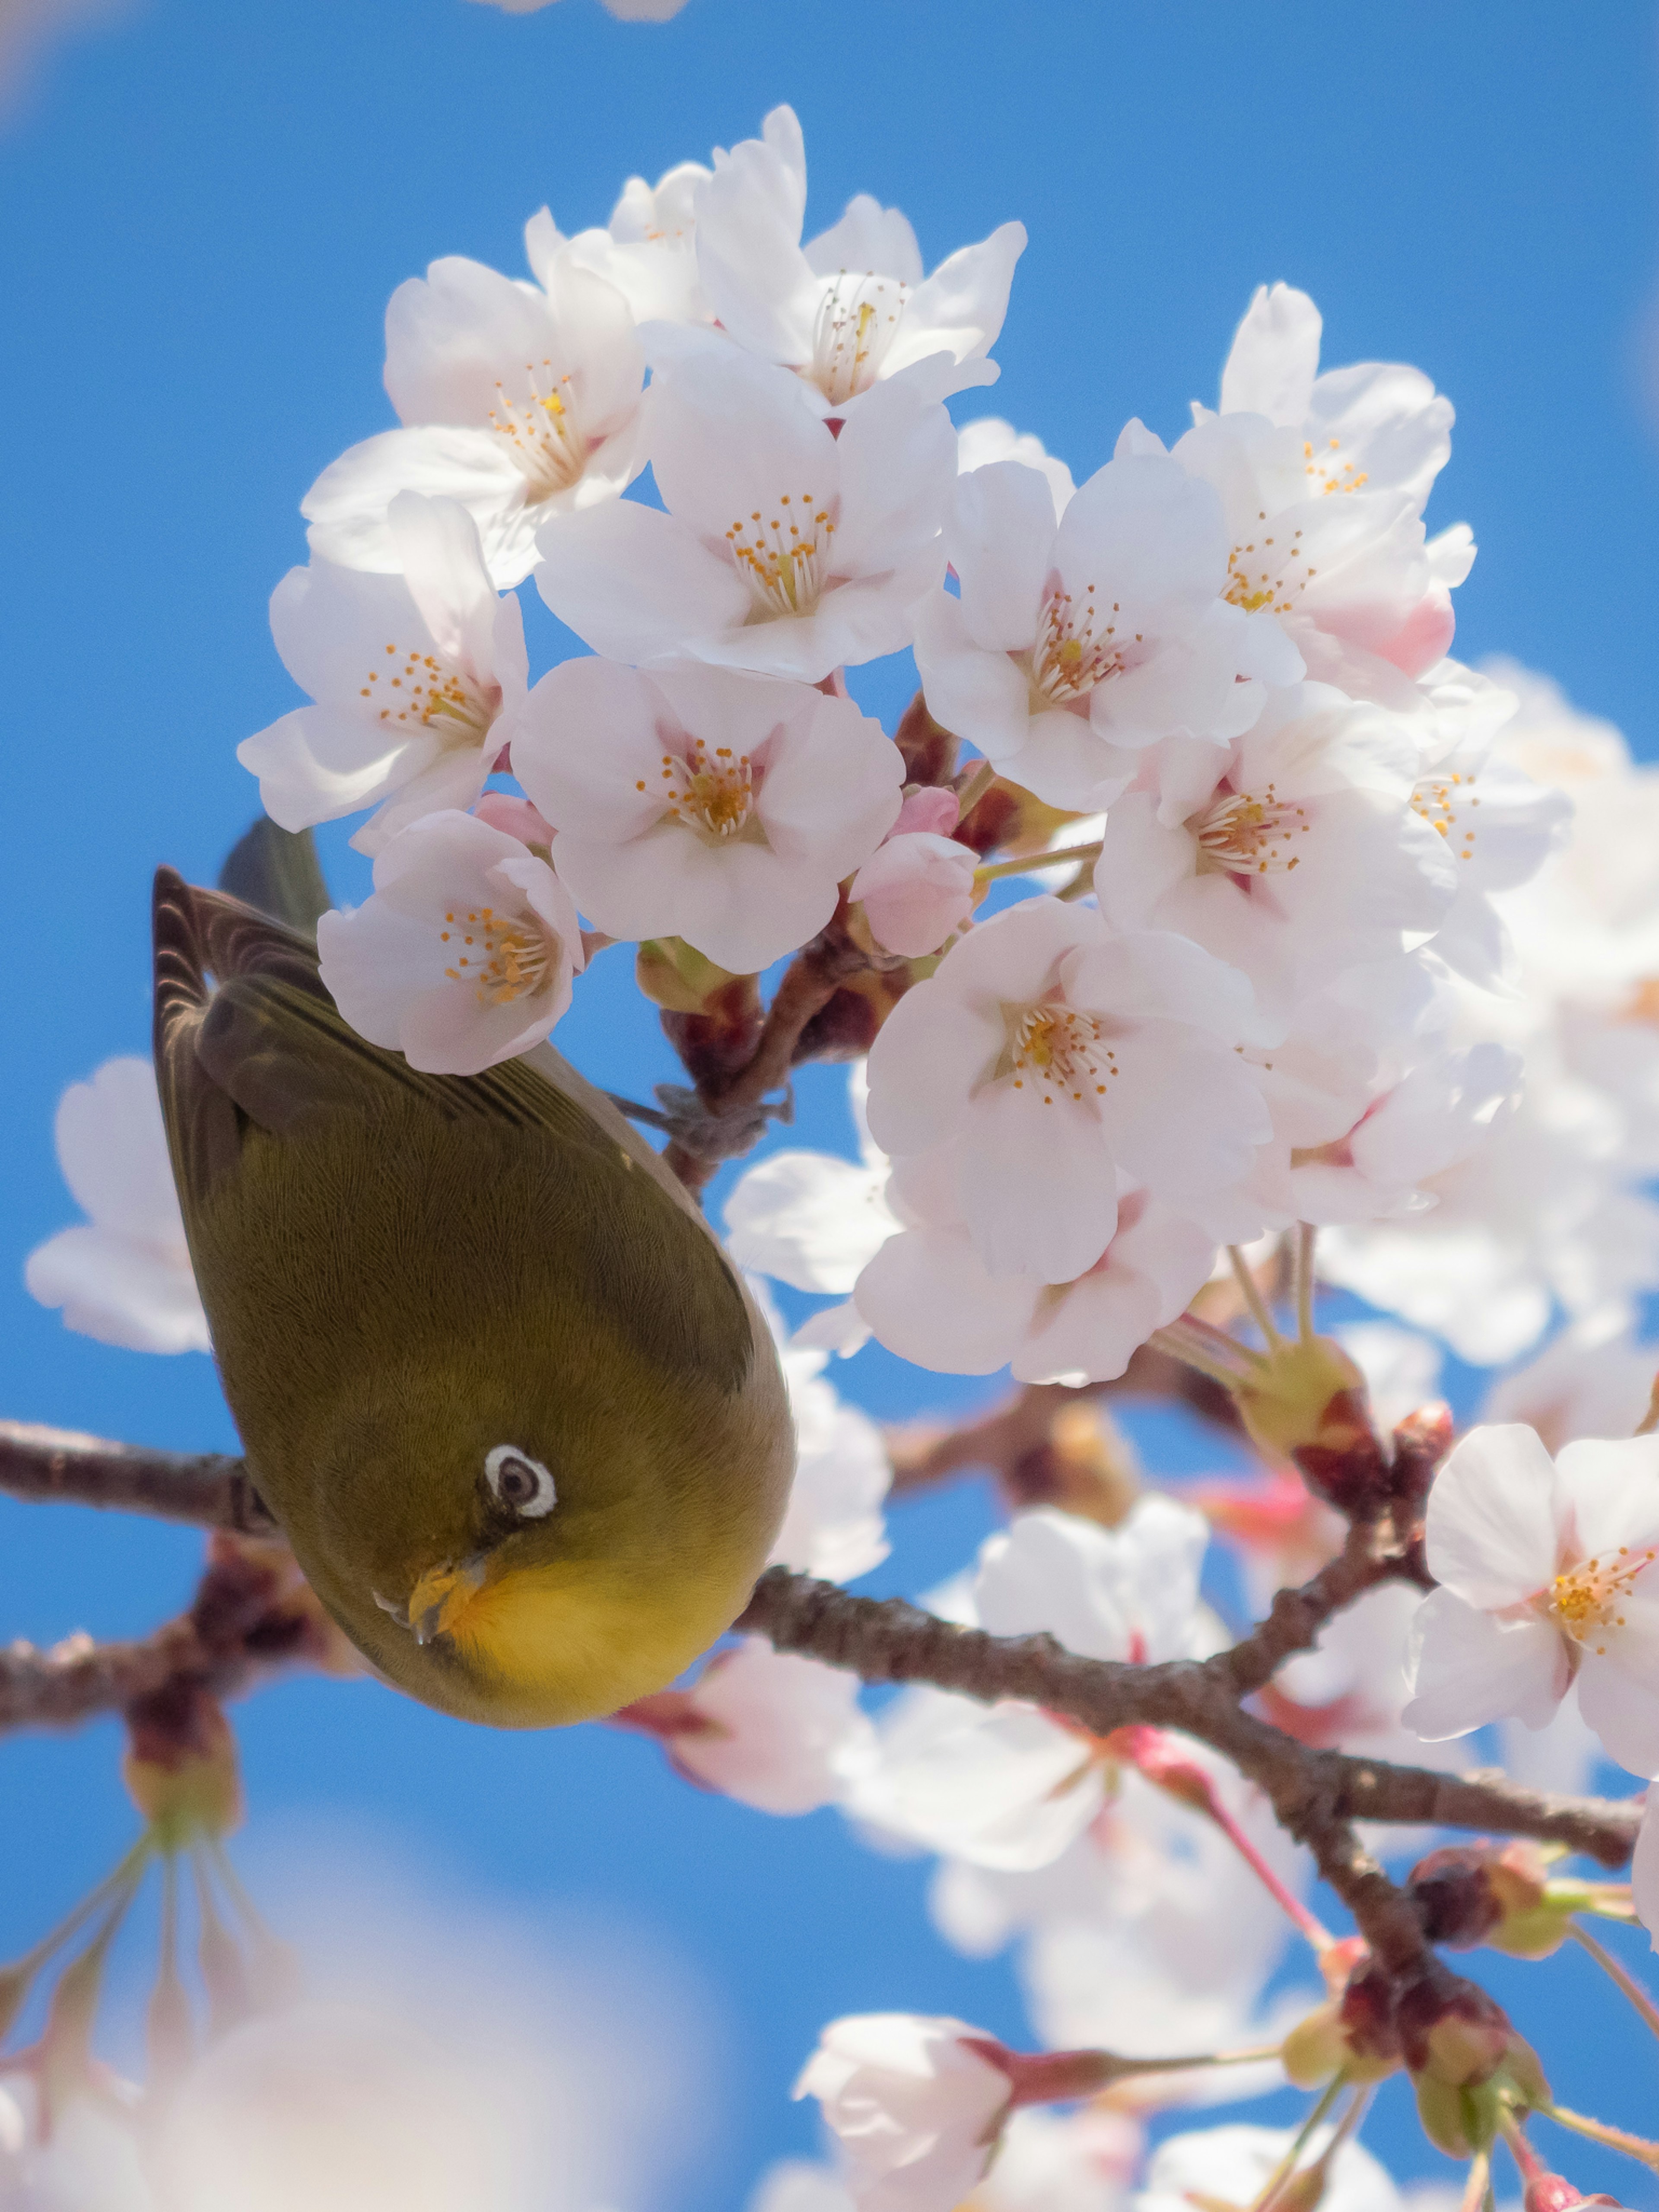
x: 1205, y: 901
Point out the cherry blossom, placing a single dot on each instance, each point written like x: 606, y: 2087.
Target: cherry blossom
x: 927, y: 1295
x: 990, y: 439
x: 1293, y: 854
x: 1231, y: 2165
x: 852, y: 307
x: 1541, y: 1567
x: 464, y: 954
x: 781, y: 1733
x: 1117, y: 1047
x: 647, y: 250
x: 1323, y: 482
x: 1592, y: 1381
x: 914, y: 2107
x: 417, y: 676
x: 918, y: 887
x: 123, y: 1274
x: 784, y: 549
x: 1080, y: 634
x: 833, y: 1526
x: 522, y: 401
x: 809, y: 1219
x: 693, y: 802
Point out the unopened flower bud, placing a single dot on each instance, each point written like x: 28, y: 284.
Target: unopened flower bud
x: 1307, y: 1403
x: 720, y: 1037
x: 675, y: 975
x: 1465, y: 2059
x: 181, y: 1769
x: 1553, y: 2192
x: 1353, y: 2033
x: 1494, y: 1893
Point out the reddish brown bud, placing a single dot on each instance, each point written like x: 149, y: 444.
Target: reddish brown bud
x: 1366, y: 2013
x: 1421, y: 1441
x: 1451, y: 2029
x: 845, y: 1025
x: 721, y: 1038
x: 1453, y: 1891
x: 1084, y: 1464
x: 1307, y: 1404
x: 1495, y: 1894
x: 929, y: 749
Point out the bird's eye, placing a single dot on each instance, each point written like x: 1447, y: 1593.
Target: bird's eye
x: 519, y: 1483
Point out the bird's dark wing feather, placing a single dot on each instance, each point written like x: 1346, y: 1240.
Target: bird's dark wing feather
x: 246, y: 1032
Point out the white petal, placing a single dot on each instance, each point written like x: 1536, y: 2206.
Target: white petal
x: 1467, y: 1668
x: 1491, y: 1527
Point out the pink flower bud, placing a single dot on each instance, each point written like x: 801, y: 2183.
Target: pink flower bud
x: 517, y: 817
x: 917, y: 889
x: 930, y: 809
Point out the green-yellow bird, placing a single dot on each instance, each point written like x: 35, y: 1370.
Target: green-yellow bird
x: 518, y: 1417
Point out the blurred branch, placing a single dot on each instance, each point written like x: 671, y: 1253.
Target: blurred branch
x: 1314, y: 1793
x: 208, y: 1490
x: 251, y: 1612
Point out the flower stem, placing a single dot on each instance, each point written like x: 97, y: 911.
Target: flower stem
x: 1260, y: 1312
x: 1618, y: 1975
x: 1211, y: 1351
x: 1023, y: 863
x: 1479, y: 2181
x: 1306, y: 1234
x: 1286, y: 2165
x: 979, y: 782
x: 1307, y: 1923
x: 1636, y: 2146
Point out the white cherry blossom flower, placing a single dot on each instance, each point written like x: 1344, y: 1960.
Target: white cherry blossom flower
x: 522, y: 401
x: 463, y: 957
x: 1078, y: 636
x: 1051, y: 1051
x: 1006, y: 1786
x: 1594, y: 1380
x: 1294, y: 854
x: 1323, y: 481
x: 833, y: 1525
x: 783, y: 549
x: 694, y: 802
x: 1078, y: 2161
x: 809, y: 1219
x: 916, y: 2109
x: 649, y: 250
x: 1645, y: 1871
x: 770, y: 1728
x: 123, y: 1274
x: 927, y: 1295
x: 1544, y: 1574
x: 417, y: 677
x: 852, y: 307
x: 990, y: 439
x: 795, y: 2185
x: 1232, y: 2166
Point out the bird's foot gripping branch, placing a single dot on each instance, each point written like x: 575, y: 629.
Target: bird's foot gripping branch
x: 1204, y: 943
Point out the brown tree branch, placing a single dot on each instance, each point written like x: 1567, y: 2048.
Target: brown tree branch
x: 809, y: 982
x: 208, y: 1490
x: 887, y: 1640
x: 251, y: 1612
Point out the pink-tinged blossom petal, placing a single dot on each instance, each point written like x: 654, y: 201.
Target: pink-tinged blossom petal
x: 1490, y: 1529
x: 1042, y: 1205
x: 699, y: 802
x: 1613, y: 1491
x: 1122, y: 1593
x: 124, y: 1276
x: 767, y: 1728
x: 916, y: 2109
x: 1001, y: 539
x: 916, y: 889
x: 464, y: 954
x: 1618, y: 1697
x: 1274, y: 358
x: 1467, y: 1668
x: 416, y: 678
x: 1645, y: 1873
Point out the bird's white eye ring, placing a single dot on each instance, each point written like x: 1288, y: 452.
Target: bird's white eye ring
x: 521, y: 1484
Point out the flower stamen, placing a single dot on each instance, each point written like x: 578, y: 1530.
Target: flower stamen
x: 541, y: 430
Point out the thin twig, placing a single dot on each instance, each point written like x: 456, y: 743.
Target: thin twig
x: 210, y: 1490
x: 1618, y: 1976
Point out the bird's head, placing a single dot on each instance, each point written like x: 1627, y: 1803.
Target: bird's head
x: 529, y: 1557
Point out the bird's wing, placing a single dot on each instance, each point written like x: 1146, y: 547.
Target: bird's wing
x: 246, y: 1032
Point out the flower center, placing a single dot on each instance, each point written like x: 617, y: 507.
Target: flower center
x: 712, y: 792
x: 503, y: 959
x: 1326, y: 473
x: 420, y: 692
x: 784, y: 561
x: 1054, y: 1050
x: 541, y: 431
x: 1240, y: 834
x: 857, y: 320
x: 1585, y: 1601
x: 1265, y: 573
x: 1439, y: 800
x: 1076, y: 647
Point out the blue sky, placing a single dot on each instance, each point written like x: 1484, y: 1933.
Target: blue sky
x: 208, y: 207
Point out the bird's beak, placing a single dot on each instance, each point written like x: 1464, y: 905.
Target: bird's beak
x: 441, y: 1596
